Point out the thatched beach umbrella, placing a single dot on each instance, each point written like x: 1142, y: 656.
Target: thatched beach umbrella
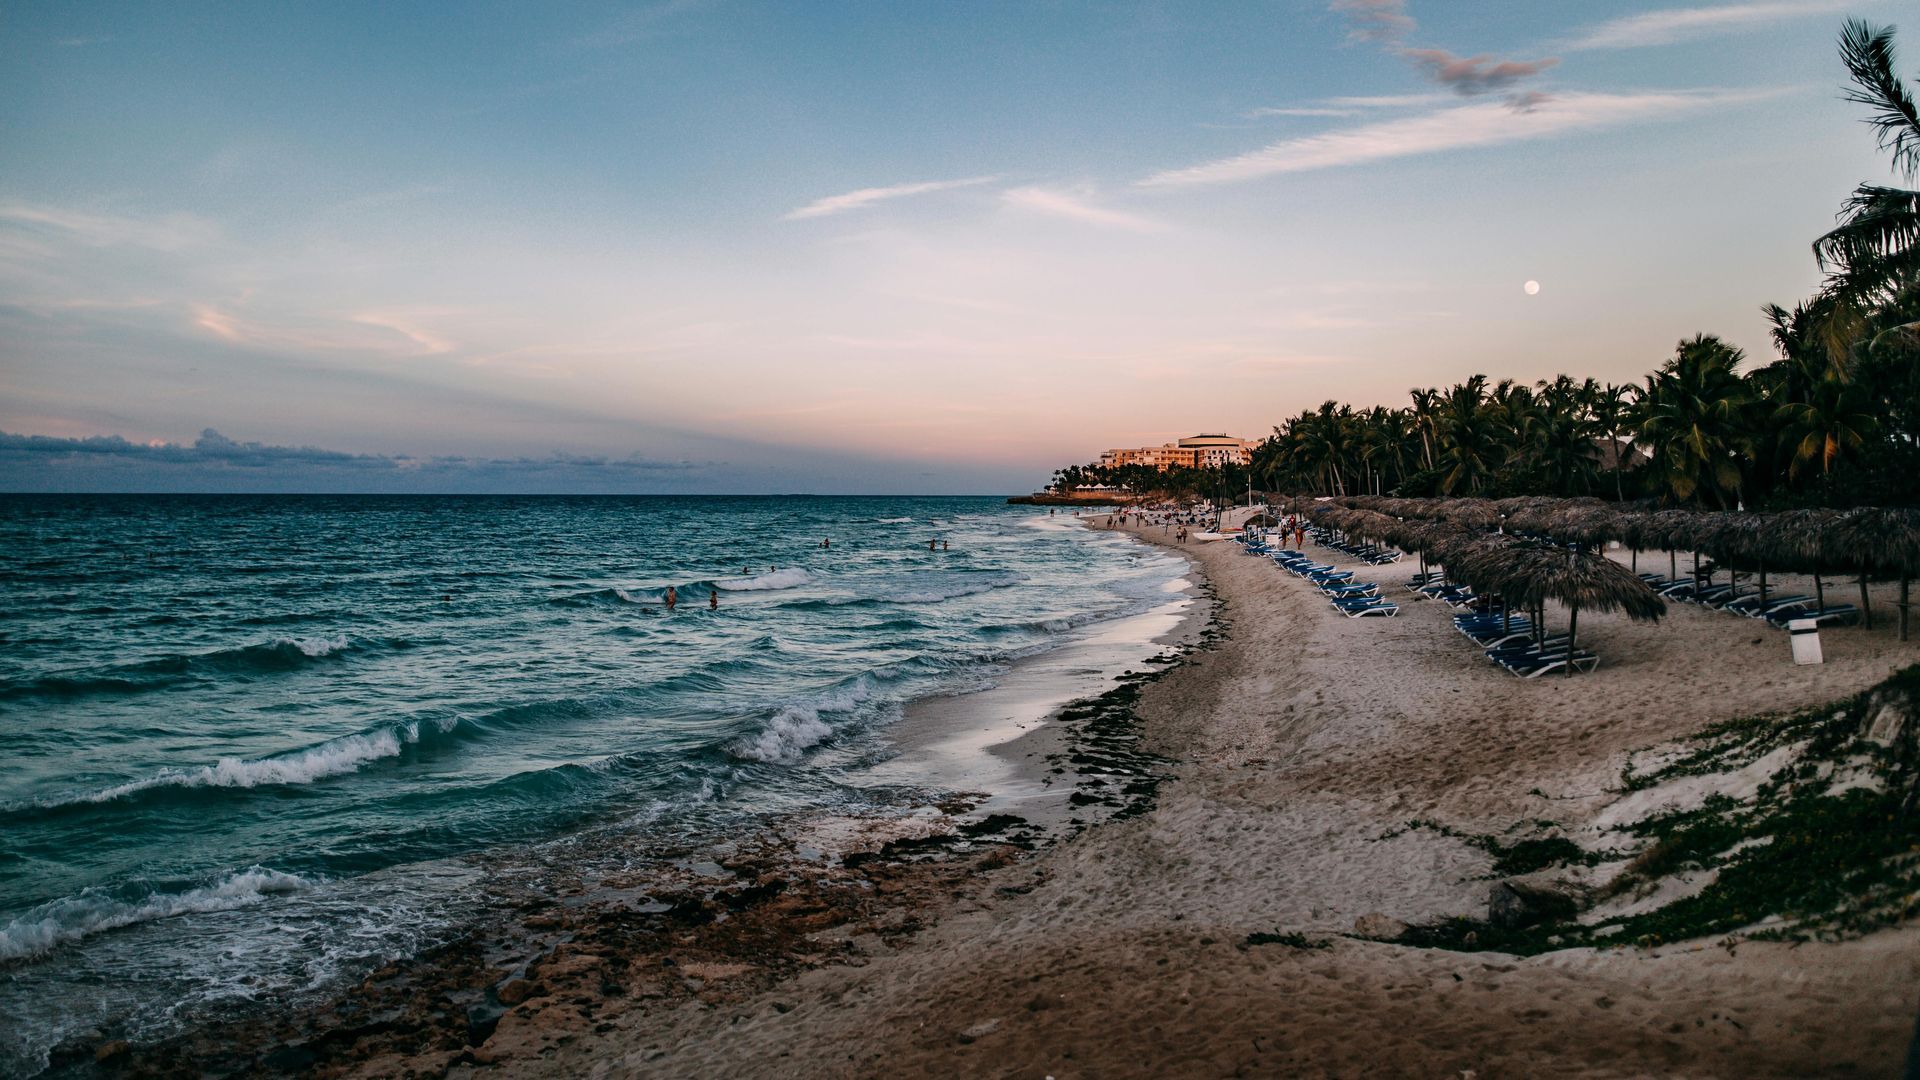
x: 1802, y: 538
x: 1473, y: 513
x: 1878, y: 540
x: 1589, y: 526
x: 1668, y: 529
x: 1578, y: 579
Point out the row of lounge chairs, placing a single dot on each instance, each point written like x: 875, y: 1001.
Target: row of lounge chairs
x: 1778, y: 610
x: 1354, y: 599
x: 1509, y: 641
x: 1512, y: 641
x: 1517, y: 645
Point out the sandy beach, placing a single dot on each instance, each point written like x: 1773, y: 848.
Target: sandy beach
x: 1304, y: 743
x: 1298, y: 787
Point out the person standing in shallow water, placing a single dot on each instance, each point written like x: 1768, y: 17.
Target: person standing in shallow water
x: 713, y: 600
x: 672, y: 598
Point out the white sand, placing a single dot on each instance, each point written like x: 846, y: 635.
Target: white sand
x: 1303, y: 741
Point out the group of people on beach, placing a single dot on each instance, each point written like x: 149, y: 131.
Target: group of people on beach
x: 1176, y: 522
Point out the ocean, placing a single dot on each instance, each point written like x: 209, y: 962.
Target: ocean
x: 251, y: 742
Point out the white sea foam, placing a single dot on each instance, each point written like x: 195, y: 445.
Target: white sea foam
x: 775, y: 579
x: 318, y: 647
x: 894, y: 521
x: 92, y: 911
x: 334, y: 757
x: 797, y: 727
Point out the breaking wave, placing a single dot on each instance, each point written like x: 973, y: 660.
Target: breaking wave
x: 278, y: 655
x: 93, y: 911
x: 335, y: 757
x: 797, y: 727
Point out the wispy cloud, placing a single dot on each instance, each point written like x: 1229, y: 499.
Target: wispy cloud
x: 1474, y: 74
x: 391, y: 333
x: 1255, y: 114
x: 1386, y: 101
x: 172, y: 232
x: 1468, y: 126
x: 1681, y: 24
x: 1348, y: 106
x: 407, y: 325
x: 1073, y: 208
x: 1378, y: 21
x: 855, y: 200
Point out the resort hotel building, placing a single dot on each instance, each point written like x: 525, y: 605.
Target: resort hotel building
x: 1193, y: 452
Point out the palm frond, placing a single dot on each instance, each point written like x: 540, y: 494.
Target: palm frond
x: 1875, y: 222
x: 1868, y: 53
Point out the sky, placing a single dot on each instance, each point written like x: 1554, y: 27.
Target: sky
x: 719, y: 246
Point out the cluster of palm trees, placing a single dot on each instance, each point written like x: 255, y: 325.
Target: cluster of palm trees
x: 1833, y: 420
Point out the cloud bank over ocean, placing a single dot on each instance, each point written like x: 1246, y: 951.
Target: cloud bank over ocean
x: 215, y: 463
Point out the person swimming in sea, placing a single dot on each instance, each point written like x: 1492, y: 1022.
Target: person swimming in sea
x: 672, y: 598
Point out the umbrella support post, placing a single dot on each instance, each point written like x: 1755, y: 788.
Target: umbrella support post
x: 1573, y: 630
x: 1819, y: 594
x: 1866, y: 612
x: 1903, y: 607
x: 1763, y: 588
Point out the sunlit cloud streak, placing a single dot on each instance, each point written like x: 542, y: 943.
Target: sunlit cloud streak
x: 865, y: 197
x: 1466, y: 127
x: 1682, y: 24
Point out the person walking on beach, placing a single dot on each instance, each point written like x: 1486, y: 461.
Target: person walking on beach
x: 672, y: 598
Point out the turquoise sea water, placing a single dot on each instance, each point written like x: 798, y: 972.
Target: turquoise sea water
x: 245, y: 736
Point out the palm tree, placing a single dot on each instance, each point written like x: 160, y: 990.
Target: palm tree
x: 1469, y: 441
x: 1558, y: 443
x: 1694, y: 417
x: 1876, y: 246
x: 1611, y: 407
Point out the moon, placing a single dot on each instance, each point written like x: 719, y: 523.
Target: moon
x: 1532, y: 288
